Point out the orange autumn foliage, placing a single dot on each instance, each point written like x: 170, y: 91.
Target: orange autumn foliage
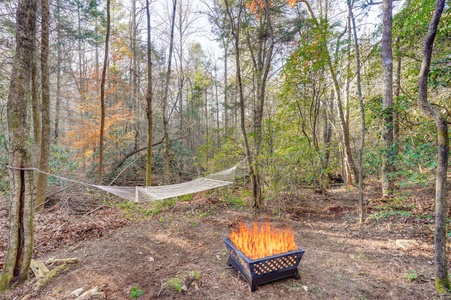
x: 85, y: 133
x: 253, y: 5
x: 262, y: 240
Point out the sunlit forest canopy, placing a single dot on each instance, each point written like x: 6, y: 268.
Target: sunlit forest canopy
x: 301, y: 121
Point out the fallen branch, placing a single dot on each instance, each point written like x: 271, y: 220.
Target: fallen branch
x: 70, y: 260
x: 38, y: 268
x: 43, y: 281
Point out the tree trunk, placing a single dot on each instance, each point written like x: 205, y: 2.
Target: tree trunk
x: 58, y: 74
x: 226, y: 89
x: 327, y: 131
x: 236, y: 43
x: 132, y: 125
x: 167, y: 142
x: 442, y: 283
x: 45, y: 82
x: 149, y: 101
x: 181, y: 75
x: 20, y: 242
x: 36, y: 107
x: 387, y: 100
x: 396, y: 100
x: 362, y: 110
x: 102, y: 93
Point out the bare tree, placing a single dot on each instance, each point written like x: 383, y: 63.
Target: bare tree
x: 20, y: 243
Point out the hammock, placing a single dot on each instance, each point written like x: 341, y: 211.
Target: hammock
x: 151, y: 193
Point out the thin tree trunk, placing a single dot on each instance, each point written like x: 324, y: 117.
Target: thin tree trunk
x: 387, y: 100
x: 396, y: 100
x: 362, y: 111
x: 181, y: 75
x: 81, y: 77
x: 226, y: 98
x: 20, y: 240
x: 102, y: 93
x: 58, y: 74
x: 348, y: 175
x: 442, y: 283
x: 45, y: 82
x: 217, y: 107
x: 149, y: 110
x: 167, y: 142
x: 36, y: 107
x: 236, y: 27
x: 327, y: 133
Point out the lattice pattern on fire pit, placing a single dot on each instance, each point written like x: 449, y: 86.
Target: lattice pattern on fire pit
x: 265, y: 269
x: 276, y: 264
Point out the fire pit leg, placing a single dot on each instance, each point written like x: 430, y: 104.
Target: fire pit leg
x: 232, y: 263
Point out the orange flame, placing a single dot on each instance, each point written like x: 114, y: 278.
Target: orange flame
x: 260, y: 241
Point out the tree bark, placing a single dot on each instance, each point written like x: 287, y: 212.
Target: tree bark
x: 387, y: 98
x: 442, y: 283
x: 102, y: 93
x: 45, y: 83
x: 20, y: 242
x: 36, y: 107
x: 149, y: 110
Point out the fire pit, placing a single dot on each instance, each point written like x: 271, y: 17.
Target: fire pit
x: 265, y: 269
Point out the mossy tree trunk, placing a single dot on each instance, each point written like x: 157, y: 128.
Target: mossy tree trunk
x: 20, y: 243
x: 442, y: 283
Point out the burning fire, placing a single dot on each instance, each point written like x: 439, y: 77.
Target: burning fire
x: 261, y: 240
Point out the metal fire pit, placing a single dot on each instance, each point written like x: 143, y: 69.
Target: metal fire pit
x: 264, y: 269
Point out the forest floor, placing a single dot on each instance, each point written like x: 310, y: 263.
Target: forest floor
x: 126, y: 254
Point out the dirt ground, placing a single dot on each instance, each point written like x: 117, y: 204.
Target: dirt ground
x: 390, y: 256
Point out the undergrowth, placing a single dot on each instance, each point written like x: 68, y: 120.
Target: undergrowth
x: 138, y: 211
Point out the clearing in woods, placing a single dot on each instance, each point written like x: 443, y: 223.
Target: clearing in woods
x: 178, y: 253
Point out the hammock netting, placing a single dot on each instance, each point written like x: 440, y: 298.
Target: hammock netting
x: 151, y: 193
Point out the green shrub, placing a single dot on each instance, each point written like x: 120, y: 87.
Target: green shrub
x: 136, y: 292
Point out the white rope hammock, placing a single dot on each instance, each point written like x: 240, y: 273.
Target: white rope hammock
x: 151, y: 193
